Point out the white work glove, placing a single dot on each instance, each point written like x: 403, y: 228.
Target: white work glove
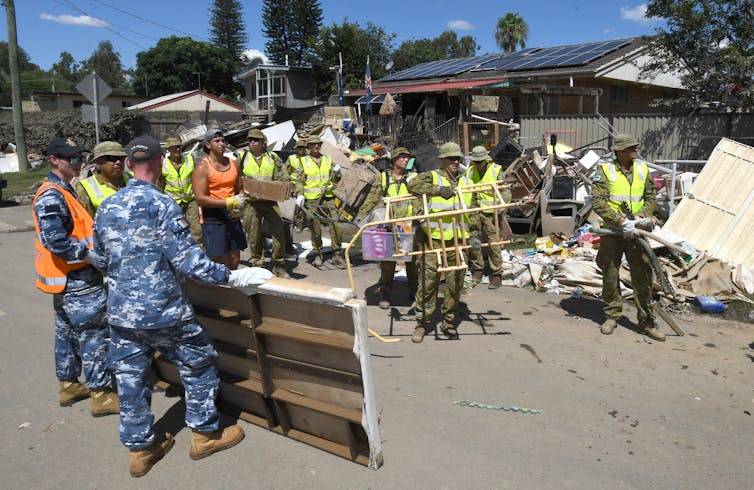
x: 628, y: 228
x: 235, y: 202
x: 336, y: 169
x: 250, y: 276
x: 647, y: 224
x: 300, y: 201
x: 476, y: 244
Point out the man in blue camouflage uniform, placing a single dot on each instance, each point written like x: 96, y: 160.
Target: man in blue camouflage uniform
x: 81, y: 334
x: 147, y: 244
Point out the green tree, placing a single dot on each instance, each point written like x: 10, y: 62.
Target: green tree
x: 355, y: 43
x: 710, y: 45
x: 24, y: 62
x: 227, y: 27
x: 106, y: 63
x: 511, y: 31
x: 32, y: 77
x: 176, y: 63
x: 67, y: 71
x: 445, y: 46
x: 291, y: 28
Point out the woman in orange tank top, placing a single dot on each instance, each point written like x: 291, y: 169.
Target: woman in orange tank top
x: 217, y: 186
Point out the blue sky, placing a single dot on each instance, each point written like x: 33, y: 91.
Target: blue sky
x: 47, y: 27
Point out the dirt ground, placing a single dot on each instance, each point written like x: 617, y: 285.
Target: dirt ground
x: 618, y: 411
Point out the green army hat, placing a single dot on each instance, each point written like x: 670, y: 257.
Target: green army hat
x: 623, y: 141
x: 108, y: 148
x: 401, y: 150
x: 255, y: 134
x: 171, y: 142
x: 479, y: 154
x: 450, y: 150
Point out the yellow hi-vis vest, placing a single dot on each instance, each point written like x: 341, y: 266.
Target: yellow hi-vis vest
x: 52, y: 271
x: 317, y: 177
x: 97, y: 191
x: 621, y: 191
x: 485, y: 197
x: 256, y: 170
x: 294, y: 165
x: 395, y: 188
x: 437, y: 205
x: 178, y: 180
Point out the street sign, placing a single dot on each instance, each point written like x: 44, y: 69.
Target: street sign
x: 94, y: 88
x: 88, y: 114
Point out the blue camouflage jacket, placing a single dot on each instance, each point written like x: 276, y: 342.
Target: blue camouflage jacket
x: 148, y: 248
x: 55, y: 227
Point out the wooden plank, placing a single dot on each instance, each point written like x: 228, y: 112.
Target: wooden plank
x: 331, y: 447
x: 317, y: 405
x: 323, y: 316
x: 246, y: 367
x: 247, y: 396
x: 316, y: 382
x: 305, y: 333
x: 230, y: 329
x: 267, y: 190
x: 312, y: 354
x: 220, y: 298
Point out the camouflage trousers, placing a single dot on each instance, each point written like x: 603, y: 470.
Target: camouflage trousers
x: 189, y: 348
x: 81, y: 337
x: 476, y: 258
x: 429, y: 282
x: 609, y: 256
x: 252, y: 217
x: 387, y: 277
x: 336, y: 232
x: 191, y: 211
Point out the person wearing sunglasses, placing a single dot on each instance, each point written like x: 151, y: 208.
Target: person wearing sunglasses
x: 65, y: 265
x: 108, y: 177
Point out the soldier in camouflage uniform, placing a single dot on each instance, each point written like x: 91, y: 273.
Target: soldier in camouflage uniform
x: 146, y: 243
x: 109, y: 176
x: 439, y: 186
x: 625, y: 182
x: 177, y: 171
x: 64, y: 262
x: 259, y: 164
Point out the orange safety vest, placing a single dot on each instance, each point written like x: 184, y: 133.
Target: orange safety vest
x: 52, y: 271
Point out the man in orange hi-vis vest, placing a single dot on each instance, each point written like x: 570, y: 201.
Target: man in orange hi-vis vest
x: 66, y: 269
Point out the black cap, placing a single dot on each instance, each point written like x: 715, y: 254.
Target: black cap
x: 211, y: 134
x: 143, y: 148
x: 63, y: 147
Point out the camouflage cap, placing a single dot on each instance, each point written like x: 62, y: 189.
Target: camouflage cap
x: 623, y: 141
x: 479, y: 154
x: 313, y: 139
x: 450, y: 150
x: 108, y: 148
x: 172, y: 142
x: 401, y: 150
x: 301, y: 143
x: 255, y: 134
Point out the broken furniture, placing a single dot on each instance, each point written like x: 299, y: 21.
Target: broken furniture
x: 294, y: 359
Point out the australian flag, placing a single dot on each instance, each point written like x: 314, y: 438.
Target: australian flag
x: 368, y: 85
x: 340, y: 81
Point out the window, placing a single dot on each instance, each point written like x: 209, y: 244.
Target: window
x: 618, y: 94
x: 270, y: 90
x: 77, y: 103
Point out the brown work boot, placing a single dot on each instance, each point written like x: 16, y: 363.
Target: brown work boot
x: 384, y: 301
x: 104, y: 402
x: 338, y: 261
x: 71, y: 392
x: 204, y: 444
x: 652, y: 332
x: 608, y: 327
x: 318, y: 260
x: 476, y: 276
x: 418, y: 335
x: 142, y: 460
x: 495, y: 282
x: 279, y: 271
x: 449, y: 330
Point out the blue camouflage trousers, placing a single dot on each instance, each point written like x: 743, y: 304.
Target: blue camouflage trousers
x: 189, y: 348
x: 81, y: 337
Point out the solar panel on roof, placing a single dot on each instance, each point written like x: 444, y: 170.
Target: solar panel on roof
x: 441, y: 68
x: 564, y: 56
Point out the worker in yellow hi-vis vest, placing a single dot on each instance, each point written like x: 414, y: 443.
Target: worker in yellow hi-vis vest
x: 177, y: 171
x: 109, y: 176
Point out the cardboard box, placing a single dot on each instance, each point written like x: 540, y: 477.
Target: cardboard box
x: 268, y: 190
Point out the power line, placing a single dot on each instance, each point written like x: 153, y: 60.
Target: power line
x: 71, y: 5
x: 148, y: 20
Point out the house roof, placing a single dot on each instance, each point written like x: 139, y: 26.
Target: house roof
x: 248, y: 73
x: 427, y: 86
x: 165, y: 100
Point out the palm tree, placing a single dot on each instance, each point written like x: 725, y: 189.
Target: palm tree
x: 511, y: 31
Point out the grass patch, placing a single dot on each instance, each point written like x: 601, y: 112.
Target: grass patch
x: 23, y: 183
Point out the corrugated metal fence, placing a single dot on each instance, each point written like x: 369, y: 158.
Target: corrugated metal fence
x: 662, y: 136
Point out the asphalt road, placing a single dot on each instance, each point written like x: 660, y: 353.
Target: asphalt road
x: 617, y: 412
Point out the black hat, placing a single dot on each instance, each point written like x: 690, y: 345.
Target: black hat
x: 211, y: 134
x: 63, y: 147
x: 143, y: 148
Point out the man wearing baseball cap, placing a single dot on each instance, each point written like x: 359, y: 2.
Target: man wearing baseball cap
x: 108, y: 178
x: 624, y: 196
x: 65, y: 264
x: 145, y: 241
x: 440, y: 188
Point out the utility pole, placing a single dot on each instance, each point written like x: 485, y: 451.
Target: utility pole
x: 15, y: 78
